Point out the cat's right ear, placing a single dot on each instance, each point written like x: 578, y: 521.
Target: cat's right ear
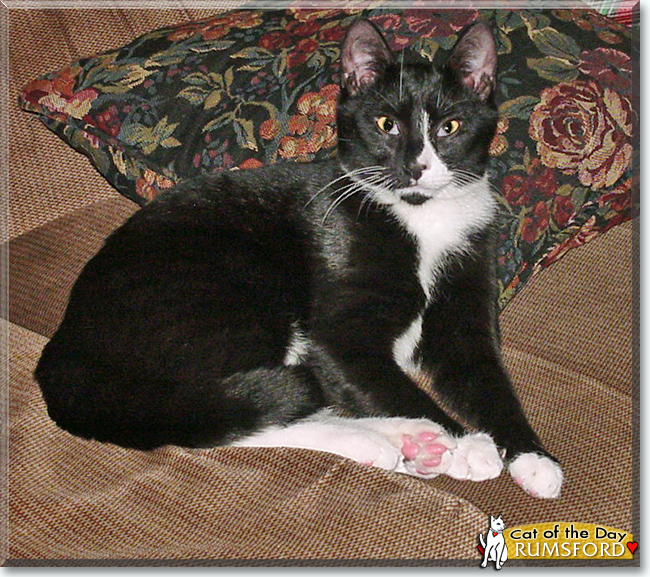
x: 364, y: 57
x: 474, y: 59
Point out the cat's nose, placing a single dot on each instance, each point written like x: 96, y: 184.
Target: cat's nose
x: 416, y: 171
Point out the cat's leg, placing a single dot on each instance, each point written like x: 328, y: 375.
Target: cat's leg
x: 493, y: 552
x: 490, y: 405
x: 499, y: 550
x: 504, y: 422
x: 431, y: 446
x: 363, y: 381
x: 203, y: 411
x: 471, y: 378
x: 327, y: 432
x: 416, y: 447
x: 368, y: 383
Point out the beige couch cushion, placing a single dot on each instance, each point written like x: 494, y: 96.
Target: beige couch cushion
x: 45, y: 261
x: 71, y: 498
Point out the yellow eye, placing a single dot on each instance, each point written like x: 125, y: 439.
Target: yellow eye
x: 448, y: 128
x: 387, y: 125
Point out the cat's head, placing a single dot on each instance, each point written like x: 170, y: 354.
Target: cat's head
x: 409, y: 132
x: 497, y: 524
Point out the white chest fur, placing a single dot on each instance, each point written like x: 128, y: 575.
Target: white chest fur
x: 440, y: 227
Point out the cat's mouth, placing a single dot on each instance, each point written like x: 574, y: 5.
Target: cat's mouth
x: 418, y: 194
x: 415, y: 198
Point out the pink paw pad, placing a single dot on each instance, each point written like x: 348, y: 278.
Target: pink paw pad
x: 424, y: 451
x: 410, y: 449
x: 435, y: 449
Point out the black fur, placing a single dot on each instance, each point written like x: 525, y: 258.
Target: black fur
x: 177, y: 330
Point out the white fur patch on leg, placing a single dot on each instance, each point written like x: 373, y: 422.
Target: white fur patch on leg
x: 475, y: 458
x: 329, y: 433
x: 538, y: 475
x: 416, y: 447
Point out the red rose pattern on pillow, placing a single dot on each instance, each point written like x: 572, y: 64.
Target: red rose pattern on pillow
x: 250, y: 87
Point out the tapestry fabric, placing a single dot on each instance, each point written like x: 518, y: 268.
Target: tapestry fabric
x: 252, y: 87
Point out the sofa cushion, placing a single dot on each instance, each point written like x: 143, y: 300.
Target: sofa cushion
x: 70, y: 498
x: 44, y: 262
x: 250, y: 87
x: 73, y: 498
x: 586, y: 300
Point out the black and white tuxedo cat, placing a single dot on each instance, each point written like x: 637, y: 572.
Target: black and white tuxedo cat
x: 251, y: 307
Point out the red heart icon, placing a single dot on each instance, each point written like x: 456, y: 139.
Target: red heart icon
x: 632, y: 546
x: 494, y: 533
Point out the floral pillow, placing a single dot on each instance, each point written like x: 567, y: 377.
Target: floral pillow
x: 251, y: 87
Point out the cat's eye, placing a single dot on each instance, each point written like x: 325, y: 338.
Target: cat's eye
x: 448, y: 128
x: 387, y: 125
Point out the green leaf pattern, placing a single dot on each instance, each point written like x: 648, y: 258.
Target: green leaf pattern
x: 251, y: 87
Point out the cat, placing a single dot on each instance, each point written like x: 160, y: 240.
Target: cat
x: 296, y: 304
x: 495, y: 549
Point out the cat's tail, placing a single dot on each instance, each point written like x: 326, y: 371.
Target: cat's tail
x: 481, y: 547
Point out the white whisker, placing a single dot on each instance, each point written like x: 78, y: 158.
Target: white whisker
x: 466, y: 178
x: 346, y: 174
x: 367, y: 180
x: 371, y: 195
x: 385, y: 99
x: 401, y: 74
x: 351, y: 191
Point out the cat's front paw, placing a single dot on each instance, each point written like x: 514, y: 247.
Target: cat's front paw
x: 426, y: 454
x: 371, y: 450
x: 424, y: 446
x: 475, y: 458
x: 427, y: 450
x: 538, y: 475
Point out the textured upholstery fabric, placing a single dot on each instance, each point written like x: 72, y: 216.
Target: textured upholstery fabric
x: 567, y: 342
x: 71, y: 34
x: 73, y: 498
x: 60, y: 250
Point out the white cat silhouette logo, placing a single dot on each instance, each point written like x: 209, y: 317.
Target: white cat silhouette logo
x: 494, y: 548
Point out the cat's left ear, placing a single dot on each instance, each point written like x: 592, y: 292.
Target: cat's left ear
x: 474, y: 59
x: 364, y: 57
